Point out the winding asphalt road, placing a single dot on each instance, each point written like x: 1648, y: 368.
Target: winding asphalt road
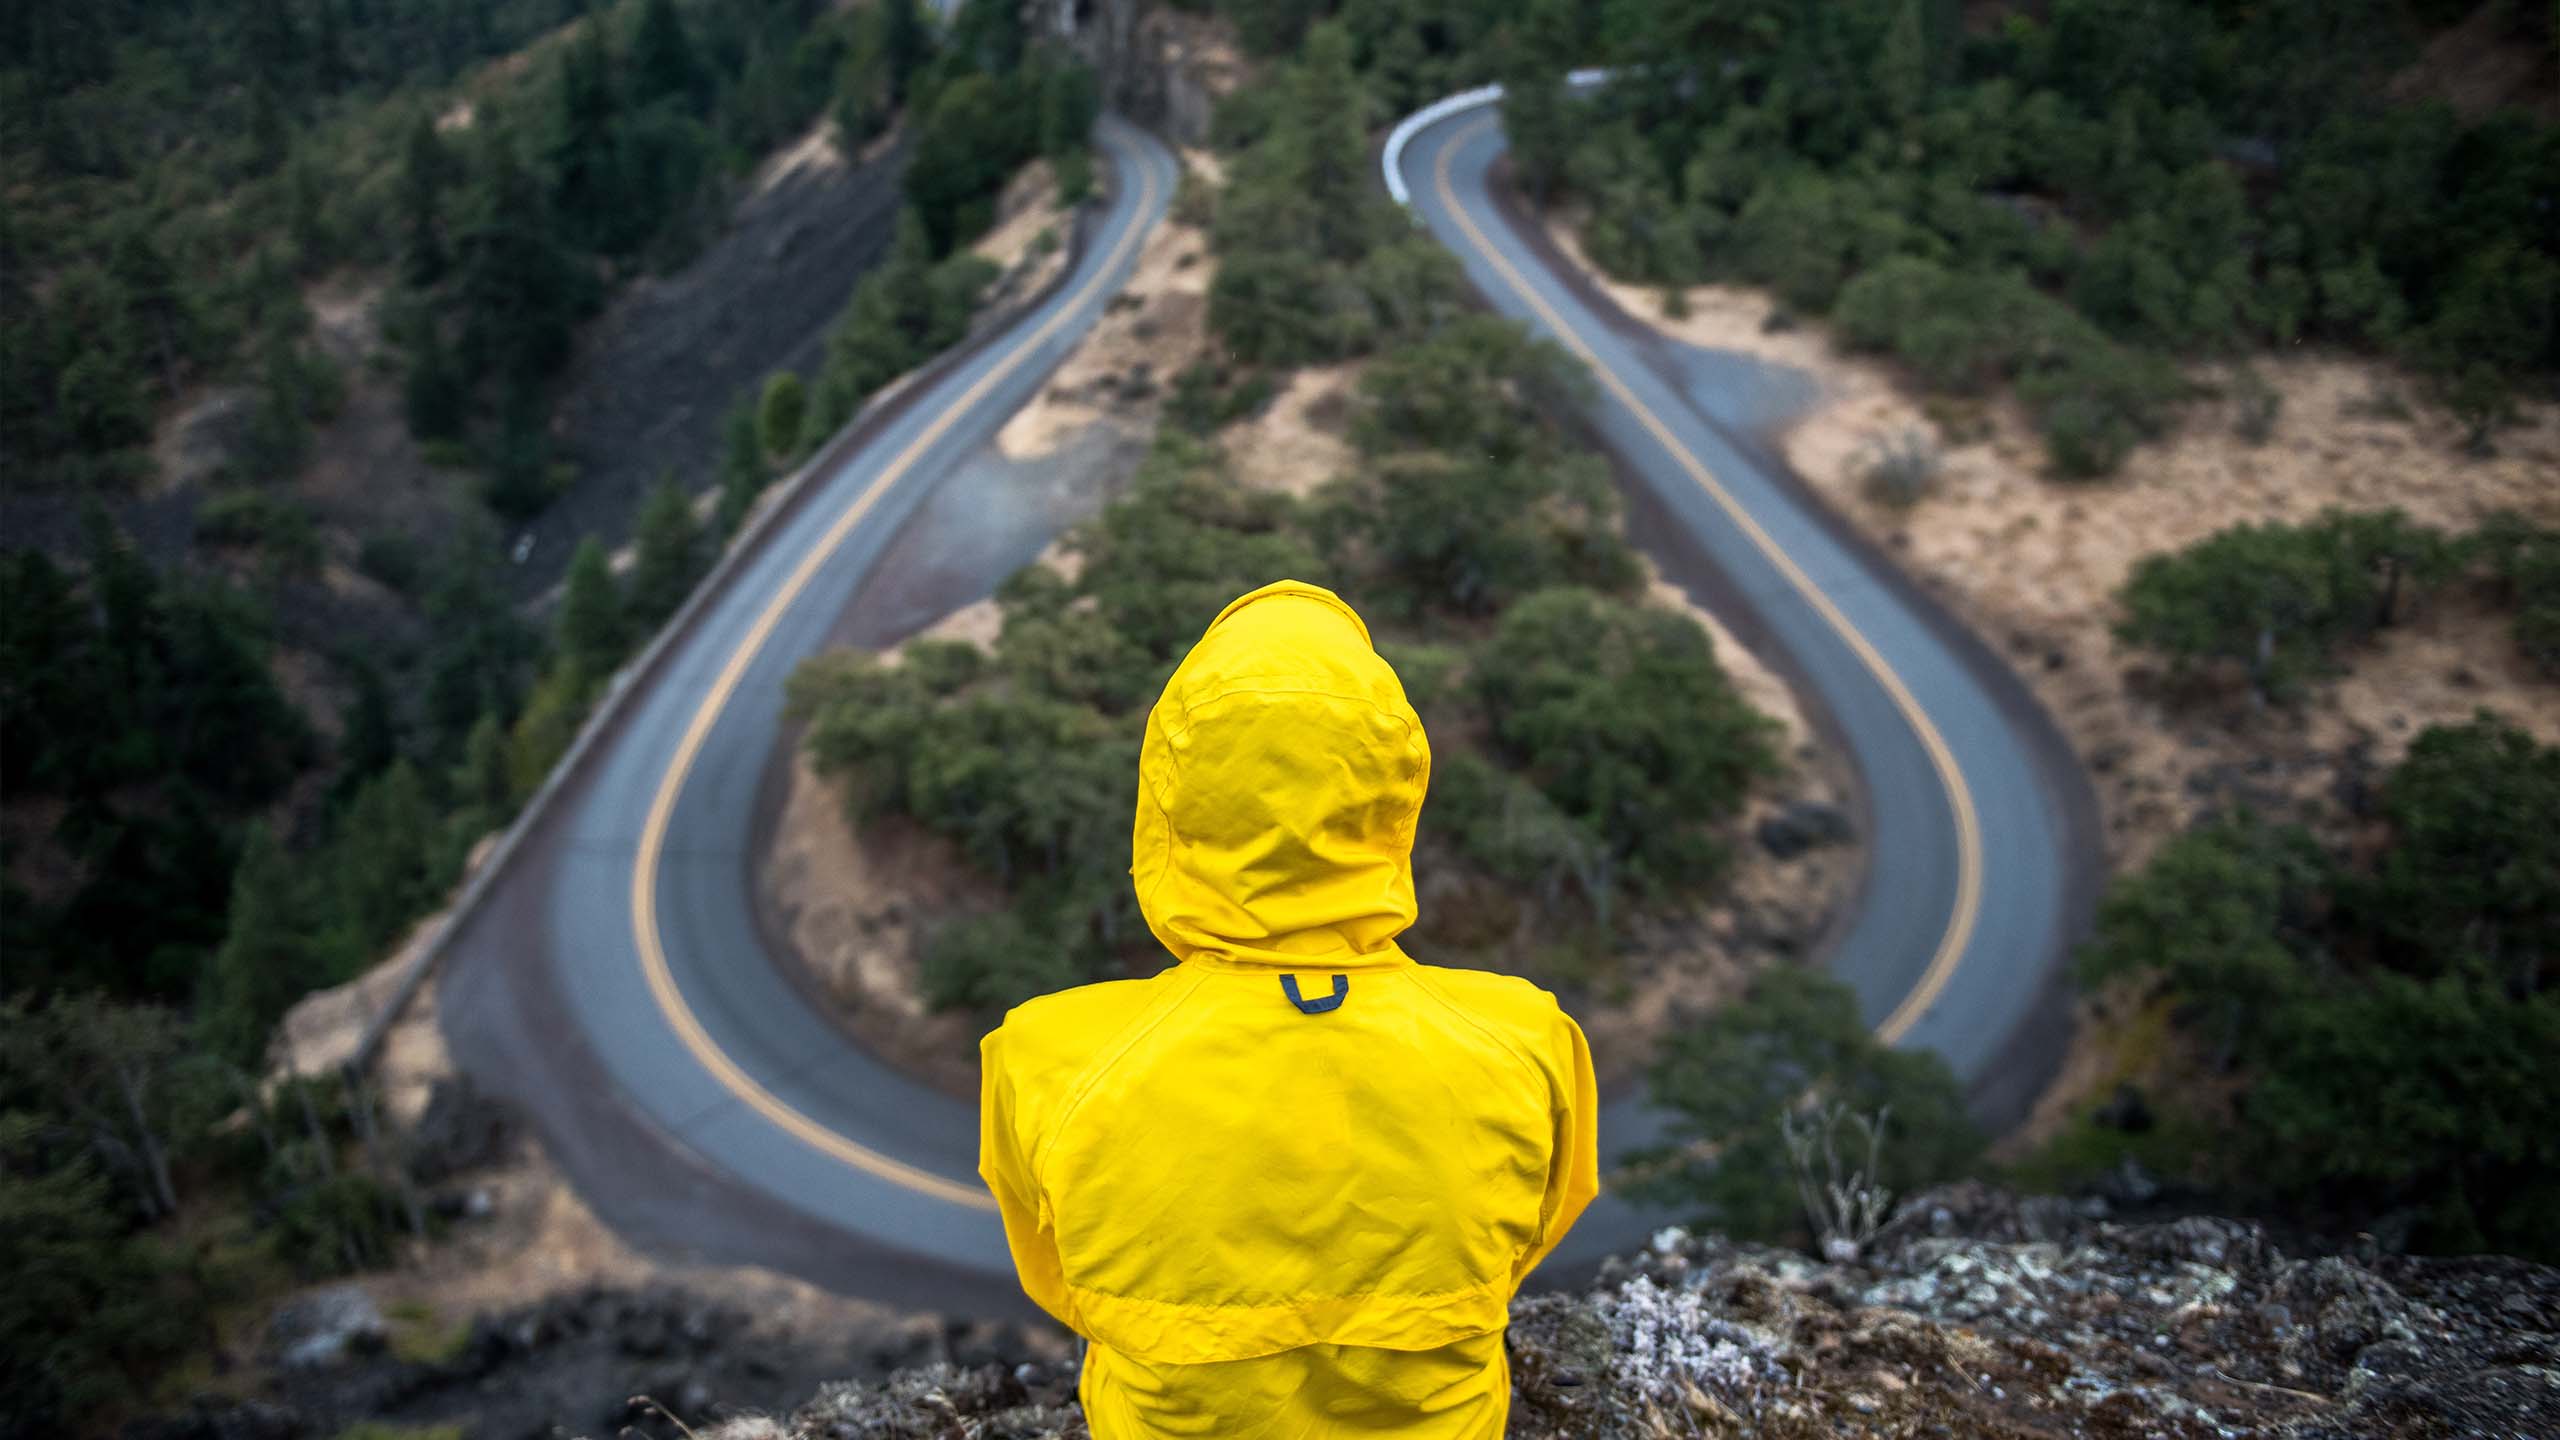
x: 615, y: 984
x: 1978, y: 822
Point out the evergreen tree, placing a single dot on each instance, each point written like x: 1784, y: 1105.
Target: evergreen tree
x: 385, y: 860
x: 518, y: 483
x: 478, y: 651
x: 520, y: 290
x: 778, y: 418
x: 663, y: 66
x: 907, y: 42
x: 742, y: 467
x: 481, y: 783
x: 587, y: 184
x: 268, y: 959
x: 592, y: 624
x: 426, y: 169
x: 436, y: 393
x: 669, y: 554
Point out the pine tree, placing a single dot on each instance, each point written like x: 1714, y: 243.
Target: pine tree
x: 521, y: 291
x: 1902, y: 66
x: 591, y: 615
x: 587, y: 186
x: 436, y: 394
x: 384, y: 857
x: 663, y: 66
x: 742, y: 467
x: 426, y: 169
x: 907, y: 44
x: 267, y: 960
x: 480, y: 781
x: 778, y: 418
x: 669, y: 546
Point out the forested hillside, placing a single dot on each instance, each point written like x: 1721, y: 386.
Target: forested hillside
x: 224, y: 782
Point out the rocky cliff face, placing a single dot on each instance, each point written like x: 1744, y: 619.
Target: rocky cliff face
x: 1975, y: 1313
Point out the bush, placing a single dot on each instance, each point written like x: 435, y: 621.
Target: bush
x: 1958, y: 331
x: 2524, y: 563
x: 1075, y: 177
x: 2383, y: 1014
x: 992, y: 963
x: 281, y: 529
x: 779, y: 417
x: 1900, y: 469
x: 1792, y: 1044
x: 1195, y: 200
x: 2255, y: 406
x: 2278, y: 599
x: 395, y: 560
x: 1623, y: 718
x: 2098, y: 402
x: 1506, y: 827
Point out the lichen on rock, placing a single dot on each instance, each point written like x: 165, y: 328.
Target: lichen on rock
x: 1974, y: 1313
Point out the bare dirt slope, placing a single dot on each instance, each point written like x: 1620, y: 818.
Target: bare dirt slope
x: 656, y: 372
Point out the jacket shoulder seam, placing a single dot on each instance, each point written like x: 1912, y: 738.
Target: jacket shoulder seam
x: 1128, y: 1039
x: 1432, y: 987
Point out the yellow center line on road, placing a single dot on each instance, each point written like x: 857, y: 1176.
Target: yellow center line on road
x: 1959, y: 931
x: 653, y: 835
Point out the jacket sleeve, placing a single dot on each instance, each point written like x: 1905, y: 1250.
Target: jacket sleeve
x: 1001, y: 1163
x: 1573, y: 1164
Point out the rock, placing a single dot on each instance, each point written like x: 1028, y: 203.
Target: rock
x: 2129, y: 1184
x: 1804, y: 825
x: 324, y: 1328
x: 212, y: 1419
x: 460, y: 1130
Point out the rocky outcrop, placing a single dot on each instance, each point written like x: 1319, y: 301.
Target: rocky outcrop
x: 1974, y: 1313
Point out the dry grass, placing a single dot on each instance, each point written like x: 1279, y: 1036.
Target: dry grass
x: 1157, y: 325
x: 2033, y: 564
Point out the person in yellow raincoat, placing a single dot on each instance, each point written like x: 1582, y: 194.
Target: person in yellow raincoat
x: 1287, y: 1187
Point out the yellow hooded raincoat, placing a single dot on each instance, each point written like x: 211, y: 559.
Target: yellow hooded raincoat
x: 1287, y: 1187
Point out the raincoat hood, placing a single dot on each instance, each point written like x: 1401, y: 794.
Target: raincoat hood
x: 1278, y: 787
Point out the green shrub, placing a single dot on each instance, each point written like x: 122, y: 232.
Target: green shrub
x: 779, y: 416
x: 2096, y: 402
x: 2524, y: 562
x: 280, y: 528
x: 1509, y: 829
x: 1621, y: 715
x: 1075, y: 177
x: 994, y: 962
x: 2279, y: 599
x: 1794, y: 1041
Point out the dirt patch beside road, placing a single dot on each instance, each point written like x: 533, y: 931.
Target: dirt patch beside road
x: 2033, y: 564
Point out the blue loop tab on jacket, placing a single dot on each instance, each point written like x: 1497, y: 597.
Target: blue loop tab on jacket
x: 1341, y: 987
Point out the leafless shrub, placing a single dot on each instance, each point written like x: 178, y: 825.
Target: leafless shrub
x: 1844, y: 1204
x: 1900, y: 469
